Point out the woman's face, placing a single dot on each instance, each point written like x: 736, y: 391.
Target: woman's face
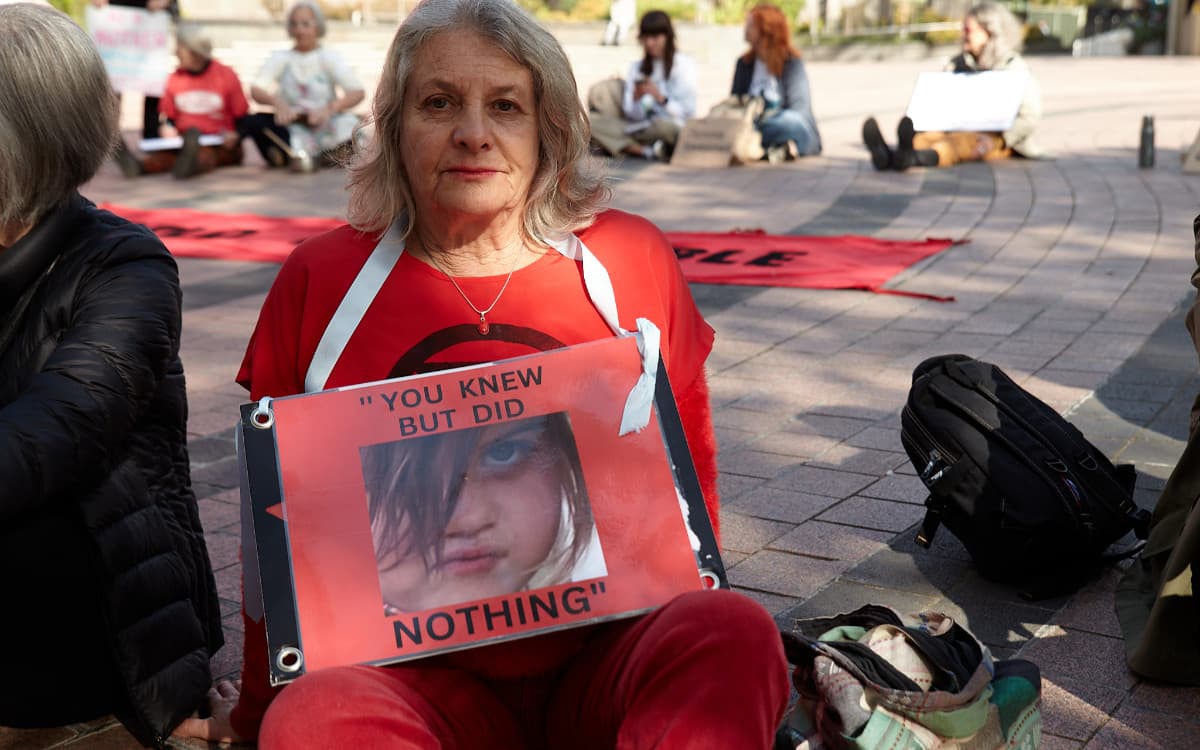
x: 189, y: 60
x: 302, y: 26
x: 974, y: 37
x: 502, y: 530
x: 752, y: 33
x: 654, y: 45
x: 470, y: 131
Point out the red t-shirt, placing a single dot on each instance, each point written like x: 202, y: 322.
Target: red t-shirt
x: 210, y: 101
x: 419, y: 322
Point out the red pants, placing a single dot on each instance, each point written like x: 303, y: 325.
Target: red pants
x: 704, y: 672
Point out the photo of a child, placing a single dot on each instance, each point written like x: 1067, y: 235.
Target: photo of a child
x: 479, y: 512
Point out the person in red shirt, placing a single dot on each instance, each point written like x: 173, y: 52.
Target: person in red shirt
x: 478, y: 233
x: 204, y: 97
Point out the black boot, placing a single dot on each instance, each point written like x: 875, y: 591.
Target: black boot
x: 905, y: 156
x: 881, y: 155
x: 925, y: 157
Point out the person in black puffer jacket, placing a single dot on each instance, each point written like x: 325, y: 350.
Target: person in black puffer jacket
x: 108, y: 595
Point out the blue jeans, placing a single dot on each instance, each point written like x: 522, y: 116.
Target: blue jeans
x: 789, y: 125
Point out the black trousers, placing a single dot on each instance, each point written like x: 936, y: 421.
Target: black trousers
x: 255, y: 126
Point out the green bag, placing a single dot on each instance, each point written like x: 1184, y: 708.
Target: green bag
x: 875, y: 679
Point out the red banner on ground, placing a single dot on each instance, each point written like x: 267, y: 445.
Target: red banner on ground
x: 751, y: 258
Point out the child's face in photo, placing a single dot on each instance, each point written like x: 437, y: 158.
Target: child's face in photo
x: 502, y: 529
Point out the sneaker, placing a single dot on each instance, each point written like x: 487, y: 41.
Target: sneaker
x: 881, y: 155
x: 186, y: 161
x: 129, y: 164
x: 659, y: 149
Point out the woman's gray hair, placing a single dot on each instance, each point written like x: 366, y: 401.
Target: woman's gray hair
x: 1005, y: 33
x: 568, y: 188
x: 58, y: 114
x: 316, y: 11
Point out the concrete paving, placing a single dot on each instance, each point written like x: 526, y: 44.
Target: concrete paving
x: 1074, y: 279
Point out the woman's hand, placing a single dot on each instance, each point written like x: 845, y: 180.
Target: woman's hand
x: 284, y: 115
x: 222, y: 697
x: 99, y: 3
x: 153, y: 5
x: 318, y: 117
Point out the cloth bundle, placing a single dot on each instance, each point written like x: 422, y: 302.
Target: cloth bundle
x: 875, y: 679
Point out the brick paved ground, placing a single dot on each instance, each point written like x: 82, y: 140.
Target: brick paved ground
x: 1073, y: 280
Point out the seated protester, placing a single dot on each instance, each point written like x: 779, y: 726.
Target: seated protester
x: 642, y: 115
x: 772, y: 69
x: 204, y: 97
x: 991, y: 38
x: 109, y: 598
x: 302, y: 85
x: 469, y: 84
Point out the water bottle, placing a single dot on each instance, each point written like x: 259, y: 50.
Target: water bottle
x: 1146, y: 145
x: 648, y: 104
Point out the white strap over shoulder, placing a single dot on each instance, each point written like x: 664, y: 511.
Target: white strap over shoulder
x: 352, y: 308
x: 596, y: 281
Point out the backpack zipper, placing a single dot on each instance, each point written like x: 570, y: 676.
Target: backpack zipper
x: 1067, y: 503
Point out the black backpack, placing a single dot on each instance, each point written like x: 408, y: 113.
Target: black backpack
x: 1030, y: 498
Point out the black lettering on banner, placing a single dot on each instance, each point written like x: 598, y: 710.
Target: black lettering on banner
x: 466, y: 612
x: 431, y: 422
x: 494, y: 383
x: 683, y: 253
x: 530, y: 607
x: 776, y: 258
x: 536, y: 603
x: 414, y: 633
x: 439, y: 617
x: 723, y: 257
x: 510, y: 408
x: 491, y: 617
x: 575, y: 601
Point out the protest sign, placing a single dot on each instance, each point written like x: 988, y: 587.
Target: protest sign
x: 984, y: 102
x: 404, y: 518
x: 135, y: 46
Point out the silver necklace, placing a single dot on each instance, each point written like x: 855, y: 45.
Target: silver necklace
x: 482, y: 326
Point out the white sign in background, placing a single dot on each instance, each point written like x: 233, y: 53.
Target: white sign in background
x: 135, y: 46
x: 985, y: 102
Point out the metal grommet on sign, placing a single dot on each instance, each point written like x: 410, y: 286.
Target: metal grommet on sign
x: 710, y: 579
x: 262, y: 418
x: 289, y: 659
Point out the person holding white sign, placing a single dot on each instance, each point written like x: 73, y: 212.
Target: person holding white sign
x: 302, y: 85
x: 479, y: 233
x: 991, y: 40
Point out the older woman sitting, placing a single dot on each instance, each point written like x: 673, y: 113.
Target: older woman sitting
x: 991, y: 40
x: 302, y: 85
x: 477, y: 179
x: 110, y: 603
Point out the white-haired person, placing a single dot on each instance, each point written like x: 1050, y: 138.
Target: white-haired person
x: 204, y: 97
x: 312, y: 88
x: 471, y: 211
x: 110, y: 602
x: 991, y: 40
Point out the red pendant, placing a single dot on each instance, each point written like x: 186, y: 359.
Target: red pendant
x: 484, y: 328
